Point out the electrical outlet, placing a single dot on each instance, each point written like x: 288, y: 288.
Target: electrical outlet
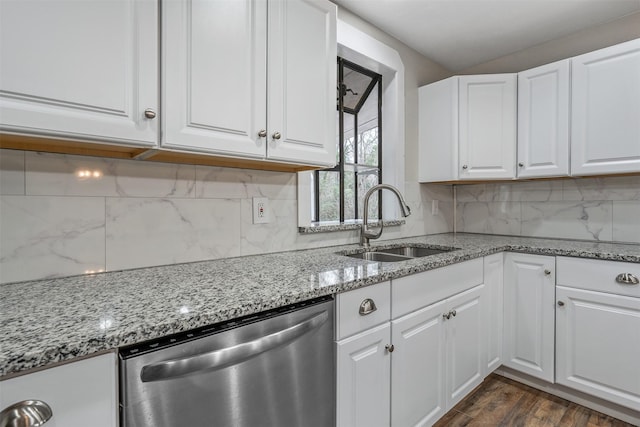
x: 261, y: 210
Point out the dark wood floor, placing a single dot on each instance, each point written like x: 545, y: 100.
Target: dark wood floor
x: 500, y: 401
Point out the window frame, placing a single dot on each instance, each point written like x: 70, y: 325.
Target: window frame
x: 376, y: 80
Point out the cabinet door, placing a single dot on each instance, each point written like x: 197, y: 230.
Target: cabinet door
x: 543, y: 121
x: 438, y: 131
x: 605, y: 136
x: 598, y: 344
x: 214, y: 76
x: 465, y: 355
x: 529, y: 300
x: 80, y: 70
x: 493, y: 310
x: 302, y: 81
x: 364, y: 375
x: 487, y: 126
x: 80, y: 393
x: 418, y: 366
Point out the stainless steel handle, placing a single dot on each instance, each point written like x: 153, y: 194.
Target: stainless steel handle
x: 389, y: 348
x: 276, y: 135
x: 465, y: 167
x: 262, y: 133
x: 627, y: 279
x: 453, y: 313
x: 229, y: 356
x: 547, y: 272
x: 561, y: 303
x: 149, y: 113
x: 367, y: 306
x: 28, y: 413
x: 521, y: 164
x: 447, y: 315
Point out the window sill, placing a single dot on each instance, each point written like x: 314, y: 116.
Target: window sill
x: 331, y: 226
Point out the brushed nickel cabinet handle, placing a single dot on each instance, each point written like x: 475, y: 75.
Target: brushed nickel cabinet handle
x: 262, y: 133
x: 521, y: 164
x: 389, y: 348
x: 367, y: 306
x: 465, y: 167
x: 149, y: 113
x: 276, y: 135
x: 627, y: 279
x: 446, y: 315
x: 547, y: 272
x: 453, y: 313
x: 28, y: 413
x: 561, y: 303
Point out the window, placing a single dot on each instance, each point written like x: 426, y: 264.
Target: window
x: 361, y: 48
x: 339, y: 191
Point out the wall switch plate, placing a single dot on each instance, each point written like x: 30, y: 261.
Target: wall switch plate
x: 261, y: 210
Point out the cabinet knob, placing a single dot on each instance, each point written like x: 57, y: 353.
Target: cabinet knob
x: 28, y: 413
x: 446, y: 315
x: 389, y: 348
x: 453, y: 313
x: 547, y: 272
x: 465, y: 167
x: 521, y: 164
x: 149, y: 113
x: 276, y: 135
x: 560, y: 303
x: 262, y: 133
x: 367, y: 307
x: 627, y: 279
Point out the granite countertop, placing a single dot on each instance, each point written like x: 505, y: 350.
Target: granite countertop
x: 48, y: 321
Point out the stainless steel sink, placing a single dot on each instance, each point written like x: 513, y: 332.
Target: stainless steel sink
x: 415, y: 251
x: 398, y: 253
x: 379, y: 256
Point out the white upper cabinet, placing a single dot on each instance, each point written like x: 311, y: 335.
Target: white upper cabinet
x: 543, y: 121
x: 216, y: 94
x: 214, y: 76
x: 80, y: 70
x: 605, y: 135
x: 467, y: 128
x: 487, y: 126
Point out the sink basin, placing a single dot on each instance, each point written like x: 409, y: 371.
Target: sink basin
x: 399, y: 253
x: 379, y: 256
x: 415, y: 251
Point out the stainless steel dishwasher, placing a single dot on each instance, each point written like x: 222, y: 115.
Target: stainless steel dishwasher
x: 272, y: 369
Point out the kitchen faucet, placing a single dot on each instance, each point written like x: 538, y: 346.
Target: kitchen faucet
x: 365, y: 233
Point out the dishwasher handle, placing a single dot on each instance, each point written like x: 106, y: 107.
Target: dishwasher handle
x: 229, y: 356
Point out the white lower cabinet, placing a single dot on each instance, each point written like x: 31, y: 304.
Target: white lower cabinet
x: 598, y: 330
x: 80, y: 394
x: 364, y: 377
x: 493, y: 309
x: 410, y: 370
x: 529, y: 327
x: 418, y: 367
x: 363, y: 359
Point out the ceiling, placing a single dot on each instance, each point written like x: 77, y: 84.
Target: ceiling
x: 459, y: 34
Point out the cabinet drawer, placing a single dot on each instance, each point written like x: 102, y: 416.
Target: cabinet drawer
x: 420, y: 290
x: 81, y: 393
x: 351, y: 321
x: 597, y: 275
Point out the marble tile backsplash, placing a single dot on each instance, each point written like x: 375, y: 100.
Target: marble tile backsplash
x: 64, y: 215
x: 602, y: 209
